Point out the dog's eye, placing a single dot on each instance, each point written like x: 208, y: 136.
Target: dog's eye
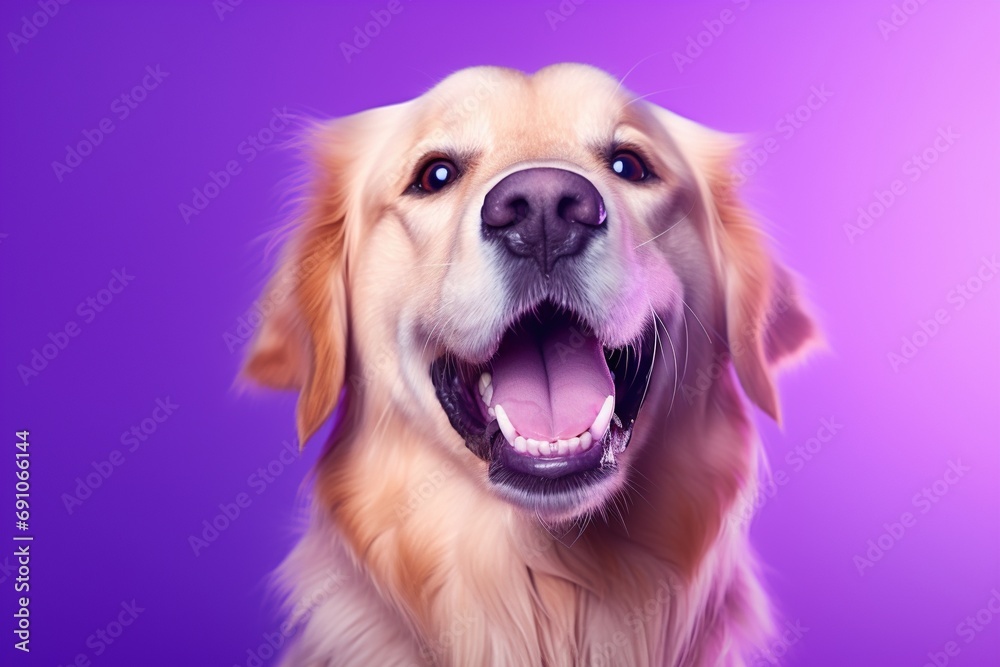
x: 628, y: 165
x: 436, y: 175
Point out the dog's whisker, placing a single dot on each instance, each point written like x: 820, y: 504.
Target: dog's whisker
x: 382, y: 423
x: 603, y: 510
x: 581, y: 524
x: 649, y: 376
x: 687, y: 344
x: 428, y: 339
x: 655, y: 92
x: 635, y: 490
x: 434, y: 80
x: 700, y: 323
x: 656, y: 318
x: 639, y: 98
x: 618, y: 510
x: 685, y: 217
x: 673, y: 353
x: 631, y: 69
x: 698, y: 319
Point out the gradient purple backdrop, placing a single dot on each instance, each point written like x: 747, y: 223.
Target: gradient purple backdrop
x: 887, y: 95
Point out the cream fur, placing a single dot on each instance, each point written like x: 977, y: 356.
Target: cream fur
x: 430, y: 565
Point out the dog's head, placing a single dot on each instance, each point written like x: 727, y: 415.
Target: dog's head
x: 526, y: 267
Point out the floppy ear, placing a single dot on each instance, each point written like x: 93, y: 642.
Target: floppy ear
x: 302, y: 343
x: 767, y: 323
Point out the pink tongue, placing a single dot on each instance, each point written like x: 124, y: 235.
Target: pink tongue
x: 551, y: 384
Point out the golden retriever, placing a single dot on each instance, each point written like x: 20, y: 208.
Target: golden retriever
x: 535, y: 302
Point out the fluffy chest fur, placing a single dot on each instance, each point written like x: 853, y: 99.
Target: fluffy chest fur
x: 417, y: 565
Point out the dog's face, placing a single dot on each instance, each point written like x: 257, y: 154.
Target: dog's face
x: 523, y: 266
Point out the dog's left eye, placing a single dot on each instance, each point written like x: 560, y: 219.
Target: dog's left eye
x: 628, y: 166
x: 436, y: 174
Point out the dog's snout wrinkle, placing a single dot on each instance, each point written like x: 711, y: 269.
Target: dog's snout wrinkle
x: 543, y: 214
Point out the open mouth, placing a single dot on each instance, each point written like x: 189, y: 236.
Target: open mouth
x: 551, y: 410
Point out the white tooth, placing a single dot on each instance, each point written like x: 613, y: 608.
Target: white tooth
x: 533, y: 447
x: 504, y: 422
x: 545, y: 448
x: 484, y: 381
x: 562, y: 447
x: 492, y: 412
x: 600, y: 426
x: 585, y: 441
x: 520, y: 444
x: 572, y: 445
x: 488, y: 394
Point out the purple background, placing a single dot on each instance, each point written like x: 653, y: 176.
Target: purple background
x: 162, y: 336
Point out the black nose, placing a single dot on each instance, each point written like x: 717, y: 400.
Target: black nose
x: 544, y: 214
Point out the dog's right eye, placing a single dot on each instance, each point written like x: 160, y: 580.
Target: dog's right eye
x: 629, y: 166
x: 436, y: 175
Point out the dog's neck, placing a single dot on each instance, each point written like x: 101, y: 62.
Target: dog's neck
x: 663, y: 575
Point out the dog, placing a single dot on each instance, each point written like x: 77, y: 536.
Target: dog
x: 540, y: 313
